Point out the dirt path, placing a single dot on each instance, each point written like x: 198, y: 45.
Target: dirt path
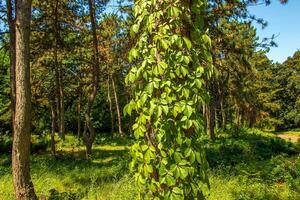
x: 292, y: 138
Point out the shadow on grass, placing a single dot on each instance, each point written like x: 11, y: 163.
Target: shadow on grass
x: 246, y: 148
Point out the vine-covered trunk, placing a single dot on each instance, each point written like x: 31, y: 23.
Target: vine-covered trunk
x: 21, y: 142
x: 173, y: 62
x: 117, y: 108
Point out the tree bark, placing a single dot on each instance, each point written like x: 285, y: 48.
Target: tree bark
x: 58, y: 76
x: 223, y: 115
x: 212, y: 108
x: 78, y: 117
x: 89, y: 136
x: 21, y: 143
x: 53, y: 126
x: 110, y: 107
x: 12, y: 57
x: 211, y: 120
x: 62, y: 106
x: 117, y: 108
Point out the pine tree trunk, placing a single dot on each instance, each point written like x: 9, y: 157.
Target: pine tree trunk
x: 59, y: 77
x: 211, y: 111
x: 62, y: 106
x: 118, y: 108
x: 53, y: 125
x: 110, y: 107
x: 89, y: 133
x: 21, y: 143
x: 12, y: 57
x: 78, y: 116
x: 223, y: 115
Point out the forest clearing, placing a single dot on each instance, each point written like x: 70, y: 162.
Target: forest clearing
x: 255, y: 165
x: 149, y: 100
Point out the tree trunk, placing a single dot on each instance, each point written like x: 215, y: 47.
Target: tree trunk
x: 58, y: 76
x: 223, y: 115
x: 12, y: 57
x: 78, y: 117
x: 117, y: 107
x: 89, y: 136
x: 62, y: 106
x: 211, y: 118
x: 110, y: 107
x: 53, y: 126
x: 21, y: 143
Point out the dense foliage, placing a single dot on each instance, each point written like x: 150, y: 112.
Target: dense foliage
x: 173, y: 50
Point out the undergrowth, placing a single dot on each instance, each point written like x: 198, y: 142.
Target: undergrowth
x: 248, y: 164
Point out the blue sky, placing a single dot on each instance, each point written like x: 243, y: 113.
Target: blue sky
x: 284, y: 21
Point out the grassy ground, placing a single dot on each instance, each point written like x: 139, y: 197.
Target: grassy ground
x: 244, y: 165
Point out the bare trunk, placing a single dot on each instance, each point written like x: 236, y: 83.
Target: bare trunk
x: 21, y: 143
x: 110, y: 106
x: 89, y: 134
x: 53, y: 126
x: 88, y: 146
x: 12, y: 56
x: 58, y: 77
x: 117, y: 107
x: 62, y: 106
x: 211, y: 116
x: 223, y: 115
x: 78, y: 116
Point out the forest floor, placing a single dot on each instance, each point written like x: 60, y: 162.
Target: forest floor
x: 248, y: 164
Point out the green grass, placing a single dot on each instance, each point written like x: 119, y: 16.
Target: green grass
x: 247, y: 164
x: 71, y: 176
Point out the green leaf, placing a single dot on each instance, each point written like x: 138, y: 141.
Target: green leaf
x: 134, y: 29
x: 207, y: 40
x: 184, y: 173
x: 170, y: 180
x: 133, y: 54
x: 177, y: 157
x: 163, y: 65
x: 187, y: 42
x: 164, y: 44
x: 177, y: 190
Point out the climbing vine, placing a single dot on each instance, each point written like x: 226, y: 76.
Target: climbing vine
x: 171, y: 61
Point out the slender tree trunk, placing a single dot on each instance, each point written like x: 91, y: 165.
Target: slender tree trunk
x: 62, y: 106
x: 57, y: 94
x: 110, y: 107
x: 223, y: 115
x: 211, y: 111
x: 89, y: 136
x: 12, y: 56
x: 117, y: 107
x: 53, y: 126
x: 212, y: 108
x: 78, y: 117
x: 59, y: 76
x: 21, y: 143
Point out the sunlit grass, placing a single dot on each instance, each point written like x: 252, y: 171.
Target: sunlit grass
x: 249, y: 165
